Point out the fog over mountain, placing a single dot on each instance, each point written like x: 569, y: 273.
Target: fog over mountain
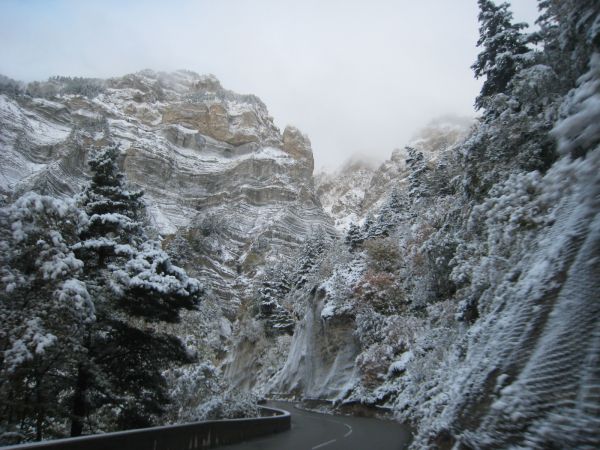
x: 357, y: 77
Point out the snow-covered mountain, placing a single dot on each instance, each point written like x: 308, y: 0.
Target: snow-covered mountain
x: 358, y: 188
x: 214, y: 167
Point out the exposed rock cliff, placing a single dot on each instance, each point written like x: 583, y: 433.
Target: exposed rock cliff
x: 214, y: 167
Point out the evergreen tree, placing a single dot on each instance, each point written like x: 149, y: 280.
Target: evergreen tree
x: 387, y: 218
x: 129, y: 277
x: 44, y: 310
x: 367, y: 226
x: 280, y: 280
x: 274, y: 287
x: 418, y: 183
x: 309, y: 257
x: 10, y: 87
x: 503, y: 43
x: 570, y: 33
x: 354, y: 236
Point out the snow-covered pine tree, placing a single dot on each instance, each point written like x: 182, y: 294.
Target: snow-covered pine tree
x: 279, y: 280
x: 129, y: 277
x: 418, y: 185
x: 367, y: 226
x: 309, y: 257
x: 573, y: 33
x: 388, y: 215
x: 570, y: 33
x: 114, y: 212
x: 353, y: 236
x: 502, y: 42
x: 521, y: 93
x: 44, y: 311
x: 10, y: 87
x: 274, y: 287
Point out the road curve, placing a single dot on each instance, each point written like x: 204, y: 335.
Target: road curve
x: 313, y: 431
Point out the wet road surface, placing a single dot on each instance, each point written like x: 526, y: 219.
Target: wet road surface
x: 314, y: 431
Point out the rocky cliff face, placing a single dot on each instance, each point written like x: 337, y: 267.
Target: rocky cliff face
x: 215, y: 169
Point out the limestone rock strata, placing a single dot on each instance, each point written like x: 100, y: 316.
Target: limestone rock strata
x: 201, y: 153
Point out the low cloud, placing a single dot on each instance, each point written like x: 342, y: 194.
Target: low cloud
x: 357, y: 77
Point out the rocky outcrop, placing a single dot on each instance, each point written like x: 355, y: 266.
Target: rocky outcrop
x: 321, y: 360
x: 297, y: 145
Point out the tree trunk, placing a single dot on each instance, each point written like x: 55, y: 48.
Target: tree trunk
x: 79, y: 401
x: 40, y: 413
x: 39, y: 425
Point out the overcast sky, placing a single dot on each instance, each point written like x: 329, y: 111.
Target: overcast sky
x: 359, y: 77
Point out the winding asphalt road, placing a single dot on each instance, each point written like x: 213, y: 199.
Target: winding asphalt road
x: 313, y: 431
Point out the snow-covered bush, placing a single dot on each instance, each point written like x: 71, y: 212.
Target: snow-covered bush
x: 230, y: 405
x: 191, y: 387
x: 383, y: 254
x: 505, y: 223
x: 578, y: 130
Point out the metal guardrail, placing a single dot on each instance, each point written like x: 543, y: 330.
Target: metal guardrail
x: 189, y: 436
